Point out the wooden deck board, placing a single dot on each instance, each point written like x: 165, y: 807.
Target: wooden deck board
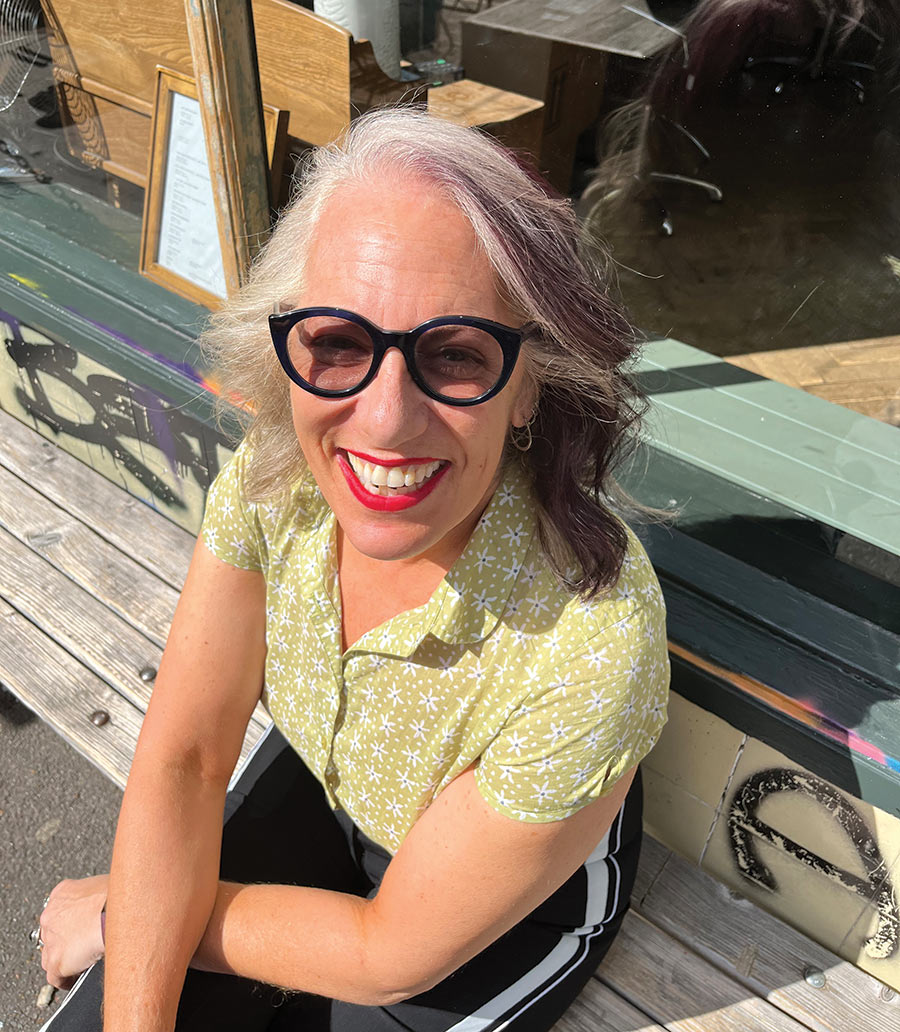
x: 599, y: 1009
x: 65, y: 694
x: 97, y: 637
x: 132, y: 526
x: 764, y: 954
x: 680, y: 989
x: 122, y: 585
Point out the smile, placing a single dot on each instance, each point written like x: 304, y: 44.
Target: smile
x: 390, y: 486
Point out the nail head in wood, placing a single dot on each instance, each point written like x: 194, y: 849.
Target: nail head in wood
x: 99, y: 717
x: 148, y: 673
x: 815, y: 976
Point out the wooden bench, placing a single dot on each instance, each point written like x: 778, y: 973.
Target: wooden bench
x: 89, y: 581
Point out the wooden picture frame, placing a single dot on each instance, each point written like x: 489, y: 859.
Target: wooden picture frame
x: 182, y: 233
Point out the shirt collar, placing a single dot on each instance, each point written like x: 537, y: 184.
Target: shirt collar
x: 470, y: 600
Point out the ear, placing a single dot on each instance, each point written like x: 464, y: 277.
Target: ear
x: 526, y: 401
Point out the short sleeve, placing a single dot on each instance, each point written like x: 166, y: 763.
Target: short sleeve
x: 231, y: 528
x: 591, y: 721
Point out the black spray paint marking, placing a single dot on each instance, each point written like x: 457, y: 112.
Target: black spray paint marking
x: 876, y: 887
x: 122, y: 412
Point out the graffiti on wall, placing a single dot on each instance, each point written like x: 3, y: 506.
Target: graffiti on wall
x: 745, y: 824
x: 164, y: 455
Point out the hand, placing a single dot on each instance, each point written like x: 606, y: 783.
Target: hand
x: 70, y: 929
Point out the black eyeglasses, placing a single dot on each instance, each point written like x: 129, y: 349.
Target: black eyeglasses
x: 455, y: 359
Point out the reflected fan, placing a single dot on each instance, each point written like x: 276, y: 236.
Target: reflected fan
x: 21, y: 32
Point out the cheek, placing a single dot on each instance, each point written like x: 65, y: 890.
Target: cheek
x: 313, y: 418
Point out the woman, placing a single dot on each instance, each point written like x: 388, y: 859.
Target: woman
x: 412, y: 562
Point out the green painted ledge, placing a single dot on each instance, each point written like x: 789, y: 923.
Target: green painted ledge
x: 819, y: 459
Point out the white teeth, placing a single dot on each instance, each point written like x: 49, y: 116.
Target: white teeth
x: 387, y: 480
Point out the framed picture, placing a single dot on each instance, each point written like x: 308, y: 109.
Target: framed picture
x: 181, y: 235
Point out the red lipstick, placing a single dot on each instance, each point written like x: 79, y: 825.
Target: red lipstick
x: 390, y: 503
x: 390, y: 462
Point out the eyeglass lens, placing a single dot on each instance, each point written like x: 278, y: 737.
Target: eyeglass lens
x: 455, y: 362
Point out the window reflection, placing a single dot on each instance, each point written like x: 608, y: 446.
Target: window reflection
x: 749, y: 193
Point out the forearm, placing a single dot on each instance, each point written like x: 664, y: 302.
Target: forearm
x: 314, y: 940
x: 162, y: 890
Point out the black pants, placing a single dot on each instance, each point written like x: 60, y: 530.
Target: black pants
x: 280, y: 830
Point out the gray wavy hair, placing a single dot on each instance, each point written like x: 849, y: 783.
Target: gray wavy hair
x: 587, y: 409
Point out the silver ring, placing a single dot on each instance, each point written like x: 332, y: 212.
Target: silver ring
x: 36, y: 940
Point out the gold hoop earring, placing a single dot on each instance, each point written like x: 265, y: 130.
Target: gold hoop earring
x: 521, y: 436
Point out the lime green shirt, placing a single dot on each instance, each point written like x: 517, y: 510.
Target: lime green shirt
x: 553, y: 697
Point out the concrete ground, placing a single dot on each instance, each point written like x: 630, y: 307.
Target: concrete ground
x: 57, y: 820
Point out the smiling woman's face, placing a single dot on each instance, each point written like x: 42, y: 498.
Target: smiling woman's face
x: 400, y: 254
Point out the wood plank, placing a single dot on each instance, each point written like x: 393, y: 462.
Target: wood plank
x: 599, y: 1009
x: 678, y: 989
x: 765, y: 954
x: 512, y: 117
x: 65, y: 693
x: 82, y: 625
x: 135, y: 594
x: 135, y: 528
x: 654, y: 857
x: 97, y: 637
x: 227, y: 77
x: 872, y: 350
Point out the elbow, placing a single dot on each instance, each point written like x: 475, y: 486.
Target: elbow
x: 398, y: 990
x: 400, y: 981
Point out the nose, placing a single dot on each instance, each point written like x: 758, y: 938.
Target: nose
x: 392, y: 409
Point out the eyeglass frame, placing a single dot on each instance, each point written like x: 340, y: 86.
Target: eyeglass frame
x: 508, y: 337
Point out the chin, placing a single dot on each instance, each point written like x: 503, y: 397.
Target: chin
x: 386, y: 544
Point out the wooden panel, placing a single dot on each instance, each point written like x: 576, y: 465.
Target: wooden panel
x: 304, y: 68
x: 132, y: 526
x: 65, y: 694
x: 227, y: 80
x: 95, y: 635
x: 304, y: 60
x: 125, y: 588
x: 654, y: 856
x: 599, y: 1009
x: 119, y: 42
x: 668, y: 981
x: 765, y: 954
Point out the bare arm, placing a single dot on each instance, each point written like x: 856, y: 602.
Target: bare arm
x: 463, y: 876
x: 164, y: 875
